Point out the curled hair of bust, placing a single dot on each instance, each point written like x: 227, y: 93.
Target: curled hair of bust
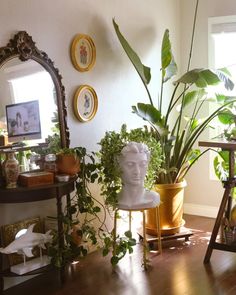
x: 135, y: 147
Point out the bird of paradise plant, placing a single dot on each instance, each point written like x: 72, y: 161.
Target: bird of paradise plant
x: 189, y: 97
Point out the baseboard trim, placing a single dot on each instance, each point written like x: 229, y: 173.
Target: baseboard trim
x: 200, y: 210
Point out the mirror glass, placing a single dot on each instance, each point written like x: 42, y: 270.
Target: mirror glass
x: 28, y: 75
x: 27, y: 81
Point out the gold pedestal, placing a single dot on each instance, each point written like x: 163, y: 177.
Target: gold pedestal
x: 144, y: 230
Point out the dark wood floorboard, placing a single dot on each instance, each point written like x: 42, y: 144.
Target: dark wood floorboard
x: 178, y: 271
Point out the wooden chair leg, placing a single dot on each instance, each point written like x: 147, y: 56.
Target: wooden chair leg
x: 158, y: 229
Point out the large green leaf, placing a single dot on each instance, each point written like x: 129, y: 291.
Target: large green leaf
x: 205, y: 77
x: 168, y: 65
x: 148, y: 112
x: 200, y: 77
x: 143, y: 71
x: 189, y: 98
x: 226, y: 117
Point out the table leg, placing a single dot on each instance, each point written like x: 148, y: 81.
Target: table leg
x: 217, y: 223
x: 60, y: 231
x: 1, y: 285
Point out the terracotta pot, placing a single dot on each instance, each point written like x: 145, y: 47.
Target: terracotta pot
x: 171, y: 209
x: 68, y: 164
x: 75, y: 236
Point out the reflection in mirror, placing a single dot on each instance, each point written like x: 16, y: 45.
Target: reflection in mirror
x: 27, y: 74
x: 27, y: 81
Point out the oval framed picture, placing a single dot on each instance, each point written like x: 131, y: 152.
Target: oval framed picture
x: 83, y: 52
x: 85, y: 103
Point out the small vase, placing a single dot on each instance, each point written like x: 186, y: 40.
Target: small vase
x: 11, y: 170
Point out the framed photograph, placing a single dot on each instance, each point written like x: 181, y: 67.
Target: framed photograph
x: 83, y: 53
x: 85, y: 103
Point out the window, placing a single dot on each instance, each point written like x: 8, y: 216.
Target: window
x: 221, y: 53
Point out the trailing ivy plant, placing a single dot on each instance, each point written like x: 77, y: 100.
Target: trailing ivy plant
x: 79, y: 217
x: 109, y: 178
x: 118, y: 246
x: 111, y: 146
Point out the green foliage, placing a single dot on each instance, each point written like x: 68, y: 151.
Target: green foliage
x: 221, y: 168
x: 188, y: 99
x: 119, y: 246
x: 87, y: 208
x: 82, y: 212
x: 227, y: 119
x: 111, y: 146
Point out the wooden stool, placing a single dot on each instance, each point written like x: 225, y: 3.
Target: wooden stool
x: 144, y: 230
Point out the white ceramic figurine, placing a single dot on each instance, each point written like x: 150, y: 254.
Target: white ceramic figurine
x: 26, y: 242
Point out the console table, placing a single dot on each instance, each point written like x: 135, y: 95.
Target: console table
x: 33, y: 194
x: 225, y: 206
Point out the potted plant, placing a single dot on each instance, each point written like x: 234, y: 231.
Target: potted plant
x: 68, y: 161
x: 177, y: 140
x: 110, y: 179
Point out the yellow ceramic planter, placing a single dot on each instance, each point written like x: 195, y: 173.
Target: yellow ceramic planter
x: 171, y: 209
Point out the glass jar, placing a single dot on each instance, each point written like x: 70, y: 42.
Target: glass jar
x: 50, y: 163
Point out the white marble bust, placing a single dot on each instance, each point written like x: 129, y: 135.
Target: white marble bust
x: 133, y: 163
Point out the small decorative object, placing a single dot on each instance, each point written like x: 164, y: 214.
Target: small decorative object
x: 133, y: 163
x: 24, y: 245
x: 230, y: 235
x: 83, y: 52
x: 3, y: 140
x: 10, y: 231
x: 34, y: 161
x: 50, y: 163
x: 11, y: 170
x: 62, y: 177
x: 36, y: 178
x: 85, y: 103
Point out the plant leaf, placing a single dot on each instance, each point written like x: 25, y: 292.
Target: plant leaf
x: 149, y: 113
x: 224, y: 76
x: 168, y: 65
x: 200, y: 77
x: 205, y: 77
x: 143, y: 71
x: 226, y: 117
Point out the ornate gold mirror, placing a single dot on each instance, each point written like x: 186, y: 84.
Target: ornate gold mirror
x: 28, y: 74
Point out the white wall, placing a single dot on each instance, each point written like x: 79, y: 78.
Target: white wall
x: 53, y: 24
x: 203, y: 195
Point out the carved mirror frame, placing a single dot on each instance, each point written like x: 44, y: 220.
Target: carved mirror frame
x: 23, y: 47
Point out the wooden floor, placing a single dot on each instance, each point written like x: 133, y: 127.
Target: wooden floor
x: 178, y: 271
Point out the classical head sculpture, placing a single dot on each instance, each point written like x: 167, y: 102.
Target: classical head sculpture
x: 133, y: 162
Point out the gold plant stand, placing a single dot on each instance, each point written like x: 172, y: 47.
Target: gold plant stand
x: 145, y: 242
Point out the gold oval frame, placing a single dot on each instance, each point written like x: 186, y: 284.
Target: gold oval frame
x: 90, y: 54
x: 82, y: 117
